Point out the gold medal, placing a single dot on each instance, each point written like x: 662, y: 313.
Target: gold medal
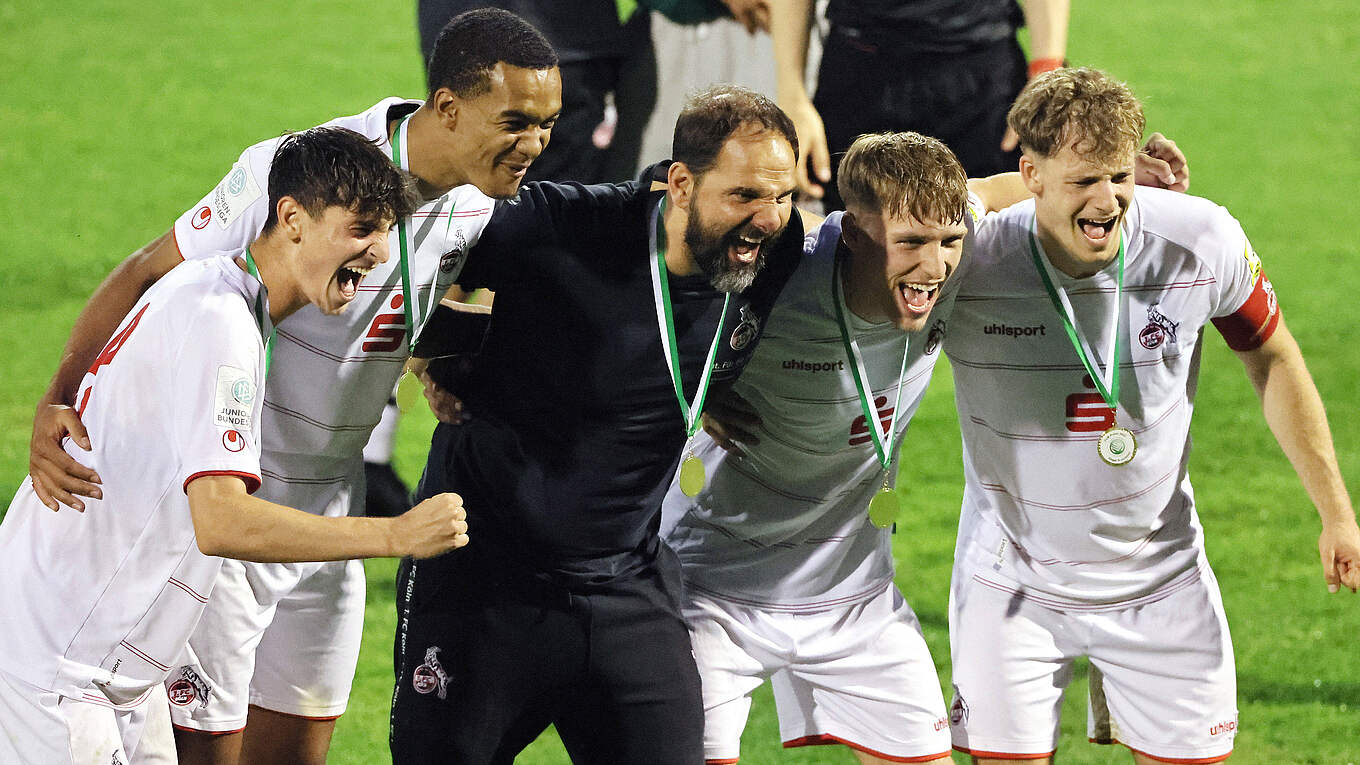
x: 1117, y: 446
x: 692, y: 475
x: 884, y: 508
x: 409, y: 390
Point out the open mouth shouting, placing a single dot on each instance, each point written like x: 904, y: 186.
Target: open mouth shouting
x: 745, y: 249
x: 348, y: 278
x: 918, y: 297
x: 1099, y: 232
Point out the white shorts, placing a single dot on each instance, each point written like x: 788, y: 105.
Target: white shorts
x: 295, y: 655
x: 860, y: 675
x: 39, y: 727
x: 1161, y: 671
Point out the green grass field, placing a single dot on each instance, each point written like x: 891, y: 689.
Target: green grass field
x: 118, y: 115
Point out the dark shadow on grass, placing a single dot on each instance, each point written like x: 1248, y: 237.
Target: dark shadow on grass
x: 1329, y: 693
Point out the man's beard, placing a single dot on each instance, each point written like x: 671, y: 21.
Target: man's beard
x: 710, y: 250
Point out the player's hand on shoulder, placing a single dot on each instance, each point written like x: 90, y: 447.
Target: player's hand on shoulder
x: 731, y: 420
x: 1339, y: 546
x: 57, y: 478
x: 434, y: 526
x: 1161, y: 164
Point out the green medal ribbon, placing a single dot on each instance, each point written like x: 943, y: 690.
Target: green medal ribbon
x: 884, y: 507
x: 408, y: 388
x: 402, y: 160
x: 261, y: 316
x: 692, y: 468
x: 1107, y: 385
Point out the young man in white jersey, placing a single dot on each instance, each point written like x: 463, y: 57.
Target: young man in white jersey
x: 1075, y: 348
x: 171, y: 406
x: 787, y: 565
x: 278, y: 643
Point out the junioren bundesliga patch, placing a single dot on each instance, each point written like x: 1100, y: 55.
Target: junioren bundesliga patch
x: 232, y: 403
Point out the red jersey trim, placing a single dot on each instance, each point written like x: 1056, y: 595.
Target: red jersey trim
x: 823, y: 739
x: 1174, y: 760
x: 732, y: 761
x: 174, y: 239
x: 251, y: 480
x: 1252, y: 324
x: 1003, y: 755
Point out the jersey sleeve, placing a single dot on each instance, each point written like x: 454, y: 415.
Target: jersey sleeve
x: 586, y: 217
x: 218, y: 393
x: 232, y: 215
x: 1247, y: 312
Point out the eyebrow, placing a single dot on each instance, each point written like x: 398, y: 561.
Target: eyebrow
x: 515, y: 114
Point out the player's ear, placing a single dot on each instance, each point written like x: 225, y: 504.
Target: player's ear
x: 680, y: 184
x: 850, y: 230
x: 291, y: 217
x: 445, y: 104
x: 1029, y: 174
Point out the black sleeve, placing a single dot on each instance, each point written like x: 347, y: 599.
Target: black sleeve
x: 543, y: 218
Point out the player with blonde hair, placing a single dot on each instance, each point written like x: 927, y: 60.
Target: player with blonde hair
x: 1075, y: 344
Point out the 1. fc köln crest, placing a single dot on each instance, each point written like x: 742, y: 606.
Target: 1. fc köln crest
x: 1159, y: 329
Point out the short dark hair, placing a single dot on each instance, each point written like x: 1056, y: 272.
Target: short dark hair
x: 334, y: 167
x: 711, y: 116
x: 471, y: 45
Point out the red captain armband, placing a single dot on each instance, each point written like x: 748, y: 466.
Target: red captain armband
x: 1250, y: 326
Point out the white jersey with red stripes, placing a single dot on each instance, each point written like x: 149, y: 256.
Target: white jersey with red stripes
x: 332, y: 375
x: 784, y: 524
x: 1043, y: 514
x: 109, y: 596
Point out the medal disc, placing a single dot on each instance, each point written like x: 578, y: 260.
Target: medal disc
x: 1117, y: 446
x: 409, y: 390
x: 883, y: 508
x: 692, y: 476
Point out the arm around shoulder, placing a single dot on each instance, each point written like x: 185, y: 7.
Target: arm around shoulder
x: 57, y: 477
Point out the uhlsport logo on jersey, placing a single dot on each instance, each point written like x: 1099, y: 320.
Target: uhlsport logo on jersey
x: 201, y: 217
x: 430, y: 676
x: 1159, y: 329
x: 188, y: 688
x: 747, y: 330
x: 235, y: 392
x: 1039, y: 330
x: 234, y: 194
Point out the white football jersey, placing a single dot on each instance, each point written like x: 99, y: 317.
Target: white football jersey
x: 110, y: 595
x: 1043, y: 514
x: 332, y: 375
x: 784, y: 524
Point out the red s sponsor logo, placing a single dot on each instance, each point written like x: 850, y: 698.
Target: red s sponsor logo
x: 859, y: 429
x: 233, y: 441
x: 201, y: 218
x: 1088, y: 412
x: 387, y: 330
